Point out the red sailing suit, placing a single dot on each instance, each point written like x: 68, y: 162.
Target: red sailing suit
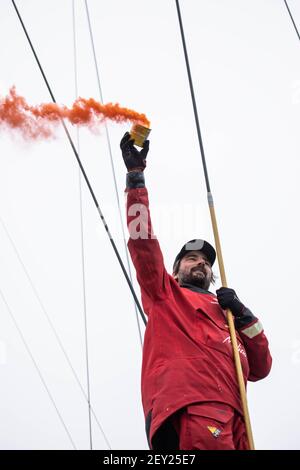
x: 187, y: 354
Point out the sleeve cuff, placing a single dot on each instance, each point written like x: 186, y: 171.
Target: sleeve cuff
x: 135, y: 179
x: 253, y: 330
x: 245, y: 319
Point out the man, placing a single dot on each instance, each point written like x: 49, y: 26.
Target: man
x: 190, y: 393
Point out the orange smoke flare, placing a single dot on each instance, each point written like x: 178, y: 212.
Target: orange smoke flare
x: 37, y: 121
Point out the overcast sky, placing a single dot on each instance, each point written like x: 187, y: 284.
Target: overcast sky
x: 245, y: 61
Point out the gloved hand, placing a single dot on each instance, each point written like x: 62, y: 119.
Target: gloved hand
x: 227, y: 298
x: 134, y: 159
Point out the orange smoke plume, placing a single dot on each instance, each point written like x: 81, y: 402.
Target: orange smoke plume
x: 37, y: 121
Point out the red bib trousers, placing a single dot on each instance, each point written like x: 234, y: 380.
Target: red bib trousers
x: 210, y: 426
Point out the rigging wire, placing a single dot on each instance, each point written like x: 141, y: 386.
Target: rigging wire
x: 43, y: 308
x: 196, y: 117
x: 37, y: 368
x: 82, y: 240
x: 82, y: 169
x: 291, y: 16
x: 111, y: 161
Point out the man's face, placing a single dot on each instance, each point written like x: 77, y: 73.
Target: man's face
x: 194, y: 268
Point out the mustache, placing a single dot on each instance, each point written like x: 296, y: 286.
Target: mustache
x: 199, y: 268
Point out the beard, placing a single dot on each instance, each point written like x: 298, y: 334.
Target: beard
x: 197, y: 277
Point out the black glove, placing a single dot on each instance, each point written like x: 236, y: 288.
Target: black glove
x: 227, y: 298
x: 134, y: 159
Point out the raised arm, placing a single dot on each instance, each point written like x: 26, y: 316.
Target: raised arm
x: 143, y: 246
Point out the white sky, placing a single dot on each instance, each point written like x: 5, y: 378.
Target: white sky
x: 245, y: 60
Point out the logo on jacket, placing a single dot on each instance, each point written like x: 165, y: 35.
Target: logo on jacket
x: 215, y: 431
x: 240, y: 348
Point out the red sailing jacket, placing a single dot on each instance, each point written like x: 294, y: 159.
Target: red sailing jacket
x: 187, y: 354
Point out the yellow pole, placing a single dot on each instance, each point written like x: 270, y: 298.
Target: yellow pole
x: 236, y: 355
x: 237, y: 359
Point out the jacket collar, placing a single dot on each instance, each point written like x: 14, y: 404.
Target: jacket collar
x: 195, y: 288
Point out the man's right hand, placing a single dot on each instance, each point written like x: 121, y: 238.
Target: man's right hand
x: 134, y: 159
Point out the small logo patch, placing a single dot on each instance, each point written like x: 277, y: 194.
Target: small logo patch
x: 215, y: 431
